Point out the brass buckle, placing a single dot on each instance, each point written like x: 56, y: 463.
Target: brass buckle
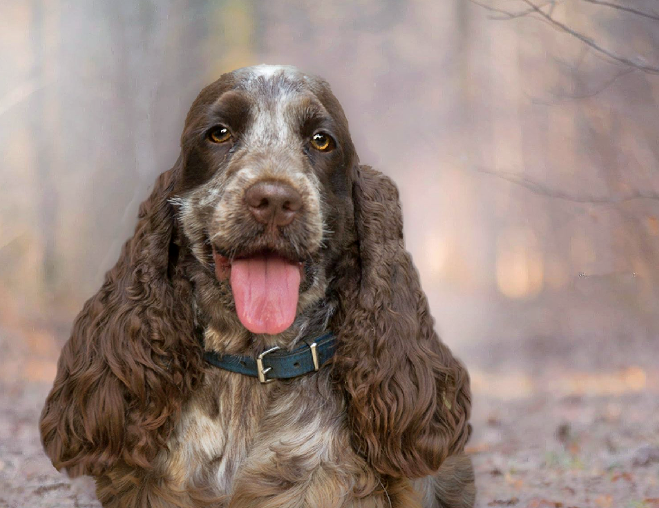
x: 314, y: 356
x: 259, y: 365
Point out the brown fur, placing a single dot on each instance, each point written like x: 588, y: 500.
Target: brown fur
x: 133, y: 404
x: 409, y: 398
x: 132, y: 358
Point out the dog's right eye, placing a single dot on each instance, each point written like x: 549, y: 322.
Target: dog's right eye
x: 219, y: 134
x: 322, y: 142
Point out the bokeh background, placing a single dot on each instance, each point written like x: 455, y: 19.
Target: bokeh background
x: 524, y: 138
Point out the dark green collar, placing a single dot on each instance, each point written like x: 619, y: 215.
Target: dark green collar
x: 277, y: 364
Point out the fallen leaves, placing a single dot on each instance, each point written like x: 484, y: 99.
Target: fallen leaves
x: 479, y: 448
x: 518, y: 385
x: 546, y: 503
x: 646, y: 455
x: 516, y: 483
x: 504, y: 502
x: 622, y: 476
x: 605, y: 501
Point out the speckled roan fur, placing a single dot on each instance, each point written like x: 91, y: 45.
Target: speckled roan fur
x: 134, y: 405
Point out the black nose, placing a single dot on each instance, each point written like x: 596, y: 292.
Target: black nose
x: 273, y: 202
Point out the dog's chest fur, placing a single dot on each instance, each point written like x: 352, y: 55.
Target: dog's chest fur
x: 234, y: 424
x: 215, y: 430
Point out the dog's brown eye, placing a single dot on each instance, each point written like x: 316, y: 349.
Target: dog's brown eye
x: 322, y: 142
x: 219, y: 134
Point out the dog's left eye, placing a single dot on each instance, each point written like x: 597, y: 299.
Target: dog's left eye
x: 219, y: 134
x: 322, y: 142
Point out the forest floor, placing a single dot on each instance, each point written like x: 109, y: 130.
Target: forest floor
x: 570, y: 451
x: 557, y: 439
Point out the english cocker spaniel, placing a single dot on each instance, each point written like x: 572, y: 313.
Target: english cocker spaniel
x: 263, y: 340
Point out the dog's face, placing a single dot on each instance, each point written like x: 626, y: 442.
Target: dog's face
x: 266, y: 182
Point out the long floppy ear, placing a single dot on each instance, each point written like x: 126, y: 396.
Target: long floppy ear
x: 132, y: 357
x: 408, y: 397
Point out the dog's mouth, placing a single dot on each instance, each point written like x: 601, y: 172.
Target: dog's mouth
x: 265, y: 286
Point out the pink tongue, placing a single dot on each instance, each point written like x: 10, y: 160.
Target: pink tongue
x: 265, y: 289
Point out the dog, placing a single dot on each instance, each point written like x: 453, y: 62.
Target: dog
x: 263, y: 340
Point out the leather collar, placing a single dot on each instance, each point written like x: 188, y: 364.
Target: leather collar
x: 277, y: 364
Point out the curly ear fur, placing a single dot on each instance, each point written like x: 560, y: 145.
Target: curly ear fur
x: 132, y: 356
x: 408, y: 397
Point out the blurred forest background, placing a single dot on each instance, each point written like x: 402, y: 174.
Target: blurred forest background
x: 524, y: 138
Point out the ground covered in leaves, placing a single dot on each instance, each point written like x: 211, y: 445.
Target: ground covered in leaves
x: 571, y: 451
x: 550, y: 440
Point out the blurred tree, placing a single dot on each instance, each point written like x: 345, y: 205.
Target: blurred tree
x: 44, y: 122
x: 594, y: 156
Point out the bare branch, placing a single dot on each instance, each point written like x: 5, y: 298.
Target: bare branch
x: 650, y: 69
x: 506, y: 15
x: 503, y: 14
x: 624, y: 8
x: 563, y: 97
x: 601, y: 88
x: 537, y: 188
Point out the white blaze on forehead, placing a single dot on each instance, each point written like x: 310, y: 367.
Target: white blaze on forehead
x: 272, y: 123
x: 268, y: 71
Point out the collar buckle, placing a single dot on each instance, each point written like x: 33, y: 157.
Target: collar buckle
x: 259, y: 366
x: 314, y: 356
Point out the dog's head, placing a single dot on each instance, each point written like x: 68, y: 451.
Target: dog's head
x: 265, y: 223
x: 266, y: 171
